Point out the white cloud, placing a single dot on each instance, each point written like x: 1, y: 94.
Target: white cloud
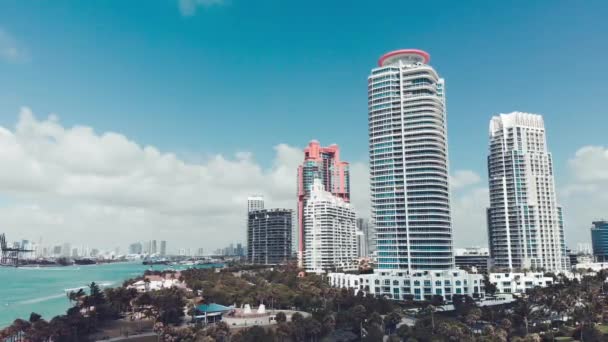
x: 10, y: 50
x: 78, y: 185
x: 359, y: 188
x: 585, y: 196
x: 188, y: 8
x: 463, y: 178
x: 590, y: 164
x: 73, y: 184
x: 469, y: 216
x: 469, y: 200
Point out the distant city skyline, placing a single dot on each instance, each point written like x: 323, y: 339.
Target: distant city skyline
x: 173, y: 136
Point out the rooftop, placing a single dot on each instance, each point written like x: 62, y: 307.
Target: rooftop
x: 408, y: 55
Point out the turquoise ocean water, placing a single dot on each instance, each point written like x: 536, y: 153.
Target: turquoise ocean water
x: 43, y: 290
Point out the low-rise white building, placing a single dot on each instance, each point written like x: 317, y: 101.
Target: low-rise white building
x: 594, y: 266
x: 519, y: 283
x: 157, y: 282
x: 416, y: 285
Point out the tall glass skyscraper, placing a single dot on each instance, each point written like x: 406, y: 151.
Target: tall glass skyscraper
x: 599, y: 240
x: 525, y: 225
x: 321, y: 163
x: 409, y: 163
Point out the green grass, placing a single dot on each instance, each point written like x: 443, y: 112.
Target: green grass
x: 602, y: 328
x: 564, y: 338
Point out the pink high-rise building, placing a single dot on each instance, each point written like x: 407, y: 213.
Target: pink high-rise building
x: 320, y: 163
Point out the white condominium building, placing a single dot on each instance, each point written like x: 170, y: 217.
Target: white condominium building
x: 330, y: 232
x: 525, y: 226
x: 409, y: 163
x: 255, y: 202
x: 415, y: 285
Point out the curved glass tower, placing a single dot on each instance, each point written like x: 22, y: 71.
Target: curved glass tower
x: 409, y: 163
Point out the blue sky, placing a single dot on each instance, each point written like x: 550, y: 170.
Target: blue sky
x: 241, y: 75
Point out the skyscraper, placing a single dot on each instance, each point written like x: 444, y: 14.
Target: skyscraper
x: 330, y: 232
x: 255, y: 202
x: 409, y: 163
x: 525, y: 225
x: 269, y: 234
x: 66, y: 250
x: 163, y: 248
x: 135, y: 248
x: 154, y: 247
x: 599, y: 240
x: 410, y: 186
x: 321, y: 163
x: 369, y: 236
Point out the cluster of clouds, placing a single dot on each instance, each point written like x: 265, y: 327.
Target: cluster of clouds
x: 102, y: 189
x: 585, y: 195
x: 77, y: 185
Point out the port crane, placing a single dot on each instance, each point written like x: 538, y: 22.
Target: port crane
x: 11, y: 255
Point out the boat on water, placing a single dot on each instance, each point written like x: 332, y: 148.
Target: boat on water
x: 85, y: 261
x: 155, y: 262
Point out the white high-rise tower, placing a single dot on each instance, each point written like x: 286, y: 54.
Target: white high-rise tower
x: 255, y: 202
x: 525, y: 226
x: 409, y: 163
x: 330, y: 232
x: 410, y: 186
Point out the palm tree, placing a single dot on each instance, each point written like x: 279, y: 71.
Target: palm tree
x: 525, y: 310
x: 313, y: 328
x: 430, y: 310
x: 391, y: 320
x: 283, y: 331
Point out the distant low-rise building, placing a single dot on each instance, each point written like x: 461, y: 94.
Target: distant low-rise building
x: 579, y: 258
x: 593, y: 266
x: 157, y: 282
x: 474, y: 259
x: 415, y: 285
x: 519, y: 283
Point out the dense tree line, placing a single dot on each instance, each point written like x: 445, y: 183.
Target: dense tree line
x: 94, y: 307
x: 567, y: 309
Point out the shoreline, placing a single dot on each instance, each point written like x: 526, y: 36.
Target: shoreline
x: 44, y: 289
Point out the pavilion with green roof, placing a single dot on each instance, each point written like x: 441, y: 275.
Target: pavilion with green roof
x: 210, y: 313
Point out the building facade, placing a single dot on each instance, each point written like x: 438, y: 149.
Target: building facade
x: 472, y: 259
x: 329, y: 231
x: 525, y: 224
x: 255, y: 202
x: 518, y: 283
x: 415, y: 285
x: 321, y: 163
x: 369, y: 236
x: 409, y: 163
x: 599, y: 240
x: 269, y: 235
x: 163, y: 248
x: 135, y: 248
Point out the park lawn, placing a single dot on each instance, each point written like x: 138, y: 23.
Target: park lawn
x: 563, y: 339
x: 602, y: 328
